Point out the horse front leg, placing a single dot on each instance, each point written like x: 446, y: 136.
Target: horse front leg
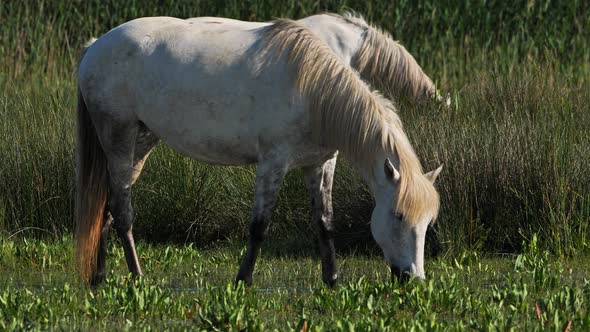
x: 319, y: 184
x: 269, y: 176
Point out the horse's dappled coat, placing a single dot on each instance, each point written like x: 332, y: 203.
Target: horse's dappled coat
x: 275, y: 95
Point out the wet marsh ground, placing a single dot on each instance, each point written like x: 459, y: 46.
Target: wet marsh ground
x: 190, y: 289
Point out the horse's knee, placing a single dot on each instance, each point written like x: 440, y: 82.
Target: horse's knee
x: 258, y: 229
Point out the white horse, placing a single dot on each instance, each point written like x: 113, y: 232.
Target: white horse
x: 371, y: 51
x: 276, y: 96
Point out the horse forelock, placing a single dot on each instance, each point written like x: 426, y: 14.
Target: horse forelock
x: 417, y: 194
x: 346, y: 115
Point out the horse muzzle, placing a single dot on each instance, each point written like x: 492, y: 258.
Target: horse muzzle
x: 404, y: 275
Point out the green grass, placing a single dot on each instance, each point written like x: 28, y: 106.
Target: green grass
x: 452, y: 39
x: 190, y: 289
x: 515, y: 145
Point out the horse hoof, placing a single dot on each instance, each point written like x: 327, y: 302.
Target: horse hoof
x: 247, y: 280
x: 331, y: 280
x: 97, y: 279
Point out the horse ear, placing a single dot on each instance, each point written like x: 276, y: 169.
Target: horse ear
x: 433, y: 174
x: 390, y: 171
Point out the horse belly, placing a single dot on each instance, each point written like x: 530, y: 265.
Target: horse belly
x: 205, y: 132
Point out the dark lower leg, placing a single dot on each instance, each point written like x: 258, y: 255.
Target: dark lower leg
x: 269, y: 176
x: 258, y: 229
x: 327, y: 251
x: 128, y: 242
x: 102, y: 250
x: 123, y: 225
x: 123, y: 221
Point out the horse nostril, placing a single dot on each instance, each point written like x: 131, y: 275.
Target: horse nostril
x: 399, y: 274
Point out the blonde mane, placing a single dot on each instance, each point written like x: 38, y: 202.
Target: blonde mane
x: 387, y: 64
x: 346, y: 115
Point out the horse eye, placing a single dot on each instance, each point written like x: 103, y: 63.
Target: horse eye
x: 399, y: 216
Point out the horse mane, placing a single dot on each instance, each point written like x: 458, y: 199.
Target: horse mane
x: 346, y: 115
x: 388, y: 64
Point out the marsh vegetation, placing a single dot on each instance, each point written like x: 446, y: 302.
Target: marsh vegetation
x: 515, y: 145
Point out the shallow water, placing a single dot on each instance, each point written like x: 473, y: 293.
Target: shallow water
x: 184, y: 288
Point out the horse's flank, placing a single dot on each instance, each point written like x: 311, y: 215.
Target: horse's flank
x: 347, y: 115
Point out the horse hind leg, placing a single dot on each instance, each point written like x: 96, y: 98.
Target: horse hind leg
x: 144, y: 144
x: 118, y: 139
x: 102, y: 248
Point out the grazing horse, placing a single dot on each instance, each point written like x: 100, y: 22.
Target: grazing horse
x: 276, y: 96
x: 371, y: 51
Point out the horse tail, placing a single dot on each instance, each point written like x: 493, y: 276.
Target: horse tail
x: 91, y: 191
